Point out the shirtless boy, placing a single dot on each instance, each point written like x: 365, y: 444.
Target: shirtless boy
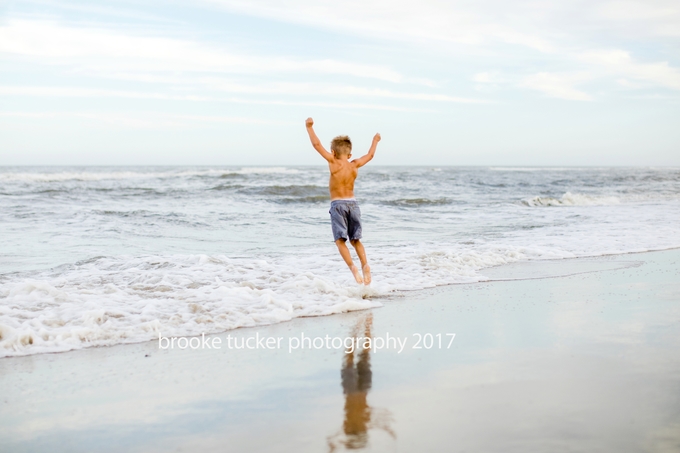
x: 345, y: 213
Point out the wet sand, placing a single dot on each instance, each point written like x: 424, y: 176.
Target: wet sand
x: 584, y: 357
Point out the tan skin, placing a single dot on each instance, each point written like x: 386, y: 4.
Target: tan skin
x: 341, y: 185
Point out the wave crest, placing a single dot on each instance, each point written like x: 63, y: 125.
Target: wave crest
x: 571, y: 199
x: 418, y: 202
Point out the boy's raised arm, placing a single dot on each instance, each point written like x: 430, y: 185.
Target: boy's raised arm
x: 363, y: 160
x: 316, y: 143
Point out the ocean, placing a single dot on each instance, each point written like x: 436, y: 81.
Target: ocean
x: 106, y: 255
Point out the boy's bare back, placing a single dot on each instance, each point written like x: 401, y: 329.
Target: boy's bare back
x: 343, y: 175
x: 343, y: 171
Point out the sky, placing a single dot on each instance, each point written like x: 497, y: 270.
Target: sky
x: 231, y: 82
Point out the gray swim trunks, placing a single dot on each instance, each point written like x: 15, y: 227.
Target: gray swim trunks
x: 345, y: 219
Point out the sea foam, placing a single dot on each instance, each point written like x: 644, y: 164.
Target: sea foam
x: 111, y: 300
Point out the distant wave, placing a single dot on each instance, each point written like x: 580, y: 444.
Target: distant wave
x: 293, y: 193
x: 151, y: 217
x: 309, y: 199
x: 418, y: 202
x: 228, y: 187
x: 533, y: 168
x: 78, y: 176
x: 571, y: 199
x: 267, y: 170
x: 122, y: 175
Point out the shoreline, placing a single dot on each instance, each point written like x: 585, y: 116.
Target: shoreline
x: 500, y: 273
x: 582, y: 362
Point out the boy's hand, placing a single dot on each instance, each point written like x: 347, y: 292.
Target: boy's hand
x: 309, y: 122
x: 376, y: 138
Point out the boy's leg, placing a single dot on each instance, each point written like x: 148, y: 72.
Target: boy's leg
x: 365, y: 268
x: 344, y: 252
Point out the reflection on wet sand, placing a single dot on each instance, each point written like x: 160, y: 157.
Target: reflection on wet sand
x: 356, y: 382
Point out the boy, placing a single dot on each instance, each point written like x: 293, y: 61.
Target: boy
x: 345, y: 214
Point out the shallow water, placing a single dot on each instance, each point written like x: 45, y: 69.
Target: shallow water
x: 100, y: 256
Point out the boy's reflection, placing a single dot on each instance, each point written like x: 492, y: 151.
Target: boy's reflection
x: 356, y: 382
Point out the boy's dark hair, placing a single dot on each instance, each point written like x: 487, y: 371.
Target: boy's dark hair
x: 341, y: 145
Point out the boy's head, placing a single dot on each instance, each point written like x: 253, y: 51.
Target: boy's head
x: 341, y: 146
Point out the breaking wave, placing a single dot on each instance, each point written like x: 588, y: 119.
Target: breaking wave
x: 417, y: 202
x: 111, y: 300
x: 571, y: 199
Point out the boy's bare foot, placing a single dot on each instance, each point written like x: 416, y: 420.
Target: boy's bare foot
x: 367, y: 274
x: 357, y: 275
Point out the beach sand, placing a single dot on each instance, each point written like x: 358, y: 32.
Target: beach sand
x: 584, y: 357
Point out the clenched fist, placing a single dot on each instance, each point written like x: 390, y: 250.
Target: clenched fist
x: 376, y: 138
x: 309, y: 122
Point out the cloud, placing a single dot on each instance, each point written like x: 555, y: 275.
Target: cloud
x: 544, y: 26
x: 194, y: 70
x: 333, y: 105
x: 557, y: 28
x: 312, y: 89
x: 101, y: 50
x: 450, y: 21
x: 487, y: 81
x: 620, y: 62
x: 93, y: 93
x: 137, y: 120
x: 557, y: 85
x: 625, y: 83
x: 43, y: 91
x: 660, y: 17
x: 482, y: 77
